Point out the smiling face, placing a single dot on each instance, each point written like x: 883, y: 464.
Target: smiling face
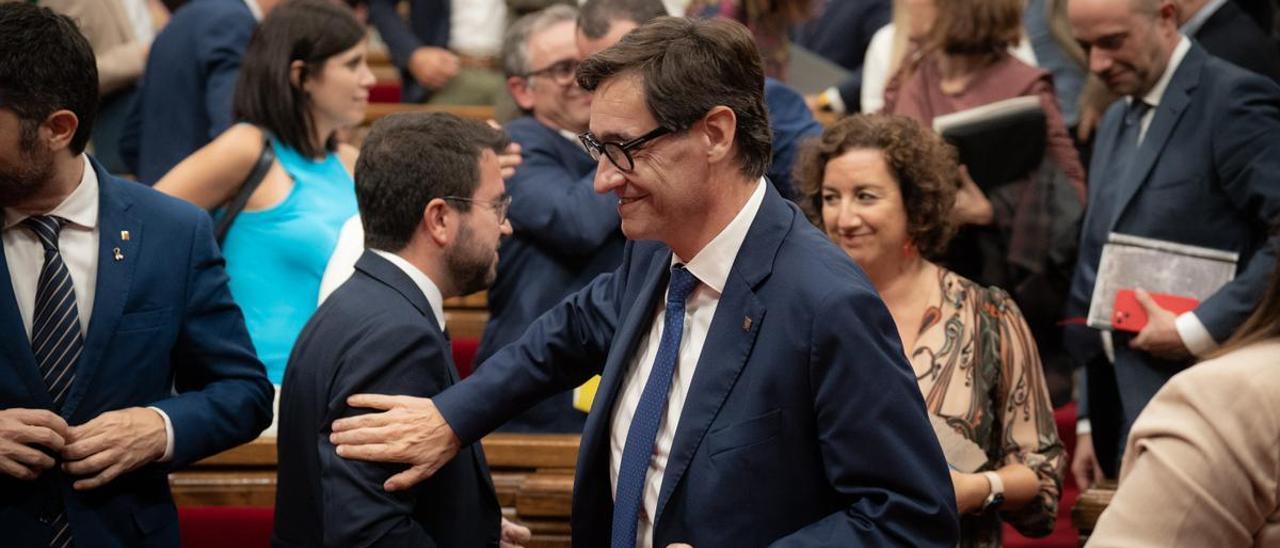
x: 668, y: 185
x: 1128, y: 47
x: 555, y: 104
x: 339, y: 93
x: 863, y: 209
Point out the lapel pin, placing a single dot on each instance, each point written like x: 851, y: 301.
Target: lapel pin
x: 124, y: 235
x: 746, y: 323
x: 117, y: 254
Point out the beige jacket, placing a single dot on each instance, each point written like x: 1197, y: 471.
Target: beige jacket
x: 1203, y: 460
x: 121, y: 57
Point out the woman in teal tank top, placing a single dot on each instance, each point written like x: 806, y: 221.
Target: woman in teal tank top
x: 303, y: 78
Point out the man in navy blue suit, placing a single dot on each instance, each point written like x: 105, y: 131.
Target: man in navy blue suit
x: 1190, y: 155
x: 124, y: 355
x: 754, y: 389
x: 564, y: 233
x: 433, y: 208
x: 184, y: 97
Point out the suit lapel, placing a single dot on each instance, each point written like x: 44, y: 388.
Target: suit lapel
x: 1174, y: 102
x: 729, y: 340
x: 15, y: 346
x: 115, y: 278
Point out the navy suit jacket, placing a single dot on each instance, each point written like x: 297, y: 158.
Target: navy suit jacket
x: 564, y: 235
x: 428, y: 25
x: 804, y: 425
x: 1207, y: 174
x: 792, y: 124
x: 841, y: 33
x: 376, y: 333
x: 184, y: 97
x: 1231, y: 35
x: 163, y: 321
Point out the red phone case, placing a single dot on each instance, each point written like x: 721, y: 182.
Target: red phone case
x: 1128, y: 314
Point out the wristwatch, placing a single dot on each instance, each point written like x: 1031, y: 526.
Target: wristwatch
x: 996, y: 498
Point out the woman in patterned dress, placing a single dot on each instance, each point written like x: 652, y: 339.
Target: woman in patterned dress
x: 885, y: 190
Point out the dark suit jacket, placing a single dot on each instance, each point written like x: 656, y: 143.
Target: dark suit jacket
x: 376, y: 333
x: 841, y: 33
x: 428, y: 25
x: 1231, y: 35
x: 1205, y: 175
x: 804, y: 425
x: 184, y: 97
x: 163, y: 319
x: 564, y: 235
x: 792, y: 124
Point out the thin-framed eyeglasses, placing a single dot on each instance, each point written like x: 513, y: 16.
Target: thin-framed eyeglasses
x: 619, y: 154
x: 561, y: 72
x: 499, y: 206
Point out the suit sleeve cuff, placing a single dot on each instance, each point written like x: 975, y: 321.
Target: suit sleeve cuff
x: 833, y: 100
x: 1083, y: 426
x: 1194, y: 335
x: 168, y: 435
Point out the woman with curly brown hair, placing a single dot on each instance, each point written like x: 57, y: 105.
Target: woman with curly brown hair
x: 884, y: 189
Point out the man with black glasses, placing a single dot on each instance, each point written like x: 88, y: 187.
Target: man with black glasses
x: 754, y: 390
x: 563, y: 233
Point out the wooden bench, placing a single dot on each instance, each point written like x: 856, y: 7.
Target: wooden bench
x: 532, y: 474
x: 1085, y: 514
x: 466, y: 316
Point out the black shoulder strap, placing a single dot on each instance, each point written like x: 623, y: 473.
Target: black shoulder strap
x: 250, y: 184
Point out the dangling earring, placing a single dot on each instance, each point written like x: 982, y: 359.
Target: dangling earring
x: 908, y: 250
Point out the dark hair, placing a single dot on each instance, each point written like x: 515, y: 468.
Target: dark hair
x: 596, y: 17
x: 922, y: 164
x: 976, y: 27
x: 410, y: 159
x: 310, y: 31
x: 1264, y: 323
x: 688, y: 68
x: 46, y: 65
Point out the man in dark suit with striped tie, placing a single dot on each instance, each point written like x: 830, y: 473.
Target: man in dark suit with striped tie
x: 123, y: 354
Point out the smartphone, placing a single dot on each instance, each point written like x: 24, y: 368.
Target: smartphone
x: 1128, y: 314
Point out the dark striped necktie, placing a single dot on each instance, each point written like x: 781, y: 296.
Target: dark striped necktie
x: 55, y: 333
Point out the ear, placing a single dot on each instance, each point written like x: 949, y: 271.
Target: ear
x: 295, y: 73
x: 1169, y: 12
x: 521, y: 90
x: 721, y: 126
x: 61, y: 129
x: 438, y: 221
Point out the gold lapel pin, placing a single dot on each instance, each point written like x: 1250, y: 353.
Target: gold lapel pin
x: 746, y: 323
x: 117, y: 254
x: 124, y: 235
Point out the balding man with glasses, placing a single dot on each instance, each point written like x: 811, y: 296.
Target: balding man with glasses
x: 754, y: 390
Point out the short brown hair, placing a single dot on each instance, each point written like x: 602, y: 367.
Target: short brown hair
x: 973, y: 27
x: 688, y: 68
x: 923, y: 165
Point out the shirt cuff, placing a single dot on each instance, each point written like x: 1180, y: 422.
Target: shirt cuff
x: 1194, y: 335
x: 168, y: 435
x: 1083, y: 426
x: 834, y: 100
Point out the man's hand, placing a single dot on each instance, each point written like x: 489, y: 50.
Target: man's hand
x: 409, y: 431
x: 112, y: 444
x: 1160, y: 337
x: 510, y: 158
x: 21, y: 430
x: 433, y: 67
x: 1084, y: 464
x: 513, y: 535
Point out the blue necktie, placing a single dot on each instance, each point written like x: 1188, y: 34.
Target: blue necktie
x: 653, y: 402
x: 56, y: 341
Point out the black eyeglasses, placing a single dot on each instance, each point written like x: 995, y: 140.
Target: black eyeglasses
x: 561, y: 72
x: 499, y: 206
x: 619, y: 154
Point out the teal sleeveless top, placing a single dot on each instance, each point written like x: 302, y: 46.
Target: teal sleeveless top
x: 276, y: 257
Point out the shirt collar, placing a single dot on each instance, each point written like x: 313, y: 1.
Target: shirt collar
x: 572, y: 137
x: 711, y: 266
x: 80, y: 208
x: 1193, y: 25
x: 424, y: 283
x: 254, y: 8
x: 1153, y: 96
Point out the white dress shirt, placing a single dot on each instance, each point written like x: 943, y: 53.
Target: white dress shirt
x: 476, y: 27
x: 711, y: 267
x: 429, y: 289
x: 78, y: 244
